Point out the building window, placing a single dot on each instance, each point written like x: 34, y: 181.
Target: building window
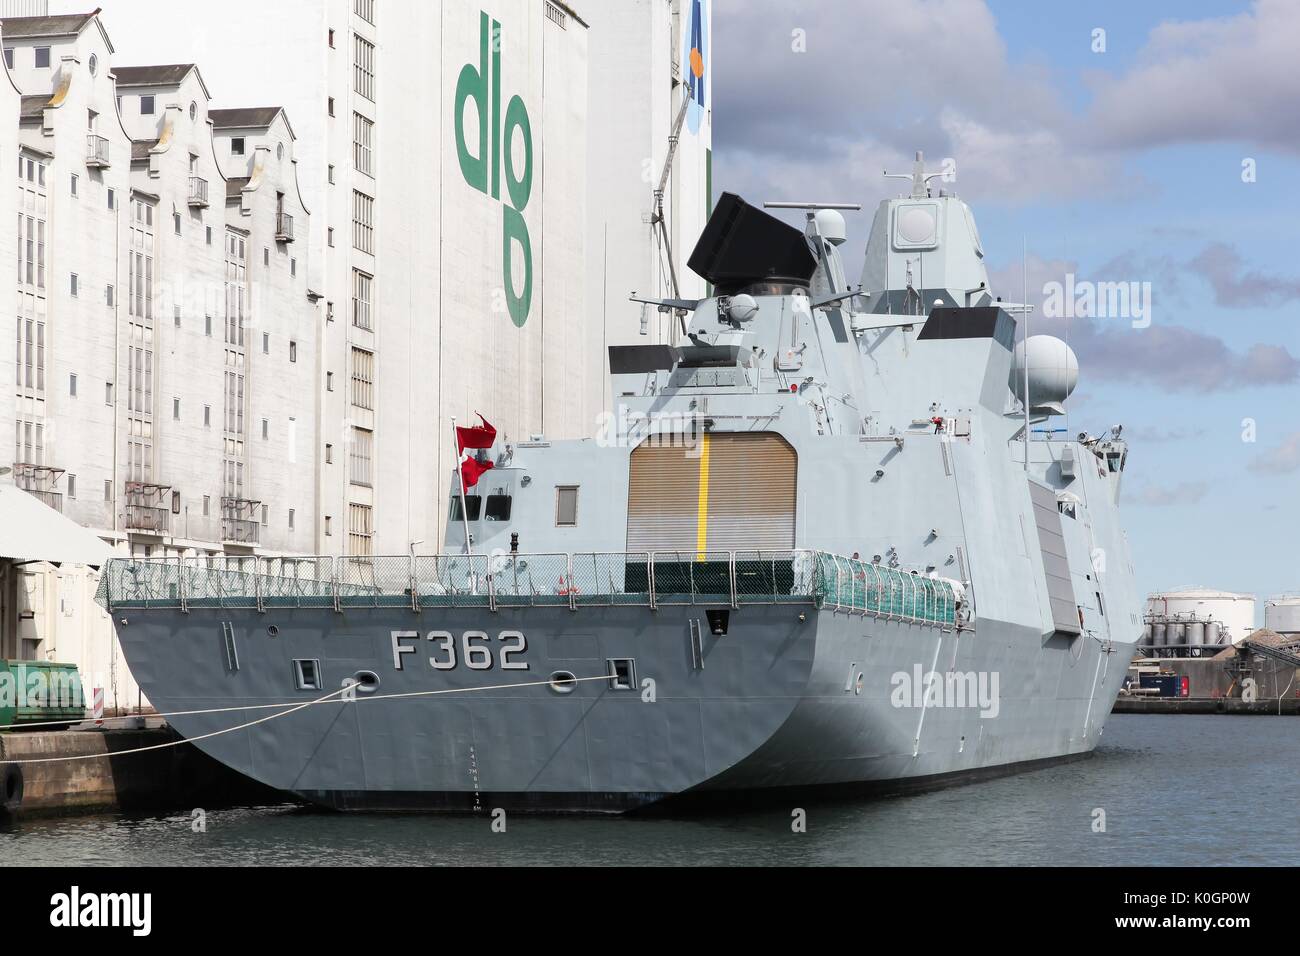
x: 42, y: 57
x: 266, y: 256
x: 293, y: 351
x: 290, y: 519
x: 209, y: 235
x: 566, y: 506
x: 363, y: 222
x: 360, y: 456
x: 176, y: 502
x: 363, y: 155
x: 73, y: 285
x: 360, y: 529
x: 293, y: 267
x: 266, y: 343
x: 329, y: 456
x: 207, y: 416
x: 112, y: 199
x: 74, y: 184
x: 176, y: 409
x: 266, y: 429
x: 207, y: 505
x: 31, y: 251
x: 237, y: 146
x: 108, y: 393
x: 72, y: 486
x: 72, y: 384
x: 176, y: 222
x: 363, y: 378
x: 329, y: 311
x: 207, y: 325
x: 108, y: 295
x: 108, y: 489
x: 176, y: 316
x: 330, y: 105
x: 146, y: 106
x: 329, y: 381
x: 362, y: 292
x: 363, y: 61
x: 331, y: 174
x: 331, y: 35
x: 365, y: 9
x: 31, y: 354
x: 329, y: 530
x: 329, y: 237
x: 266, y: 514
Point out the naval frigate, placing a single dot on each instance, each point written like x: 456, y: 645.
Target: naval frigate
x: 825, y: 541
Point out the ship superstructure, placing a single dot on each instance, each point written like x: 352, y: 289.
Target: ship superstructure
x: 819, y: 543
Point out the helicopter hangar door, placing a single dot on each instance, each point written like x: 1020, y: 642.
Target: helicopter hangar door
x: 729, y: 491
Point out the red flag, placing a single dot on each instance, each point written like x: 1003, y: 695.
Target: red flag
x: 478, y: 437
x: 471, y: 469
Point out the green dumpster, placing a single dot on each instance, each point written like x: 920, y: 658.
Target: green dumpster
x: 34, y: 692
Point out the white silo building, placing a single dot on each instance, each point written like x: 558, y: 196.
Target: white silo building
x: 1282, y: 614
x: 1201, y: 615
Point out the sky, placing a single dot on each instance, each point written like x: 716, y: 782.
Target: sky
x: 1164, y: 150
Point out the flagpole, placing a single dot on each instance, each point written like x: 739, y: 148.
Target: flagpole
x: 464, y: 511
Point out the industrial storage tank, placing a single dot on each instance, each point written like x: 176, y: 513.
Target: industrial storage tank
x: 1213, y: 633
x: 1159, y: 635
x: 1233, y: 610
x: 1282, y: 614
x: 1195, y: 633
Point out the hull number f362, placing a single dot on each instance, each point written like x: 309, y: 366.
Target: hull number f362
x: 474, y: 649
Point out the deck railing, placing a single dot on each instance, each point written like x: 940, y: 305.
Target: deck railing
x: 495, y: 582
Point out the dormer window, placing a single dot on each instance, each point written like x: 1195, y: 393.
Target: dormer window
x: 146, y: 106
x: 42, y: 57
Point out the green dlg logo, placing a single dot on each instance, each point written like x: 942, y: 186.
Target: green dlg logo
x: 483, y: 85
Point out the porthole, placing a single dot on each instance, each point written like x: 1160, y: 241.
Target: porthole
x: 94, y: 64
x: 194, y: 110
x: 273, y: 631
x: 563, y: 682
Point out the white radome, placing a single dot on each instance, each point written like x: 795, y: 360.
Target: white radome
x: 1053, y: 370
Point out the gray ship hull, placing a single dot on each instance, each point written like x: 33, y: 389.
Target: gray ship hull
x: 792, y: 697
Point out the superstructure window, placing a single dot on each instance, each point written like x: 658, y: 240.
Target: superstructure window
x: 498, y: 508
x: 473, y: 505
x: 566, y: 506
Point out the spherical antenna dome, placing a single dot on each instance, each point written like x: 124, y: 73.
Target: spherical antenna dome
x: 830, y: 223
x: 742, y: 309
x: 1053, y: 372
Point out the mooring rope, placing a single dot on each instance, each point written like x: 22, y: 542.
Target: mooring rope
x: 292, y: 709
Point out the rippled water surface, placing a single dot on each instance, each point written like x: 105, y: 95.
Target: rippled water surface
x: 1172, y: 789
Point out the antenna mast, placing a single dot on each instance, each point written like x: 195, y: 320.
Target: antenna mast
x: 657, y: 218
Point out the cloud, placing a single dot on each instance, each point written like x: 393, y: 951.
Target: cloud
x: 1156, y: 496
x: 841, y: 111
x: 1282, y: 460
x: 1212, y: 80
x: 1165, y: 355
x: 1221, y: 266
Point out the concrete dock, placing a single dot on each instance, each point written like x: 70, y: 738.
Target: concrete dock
x: 1285, y: 706
x: 172, y: 778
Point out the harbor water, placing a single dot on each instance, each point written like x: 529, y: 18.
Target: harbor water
x: 1171, y: 788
